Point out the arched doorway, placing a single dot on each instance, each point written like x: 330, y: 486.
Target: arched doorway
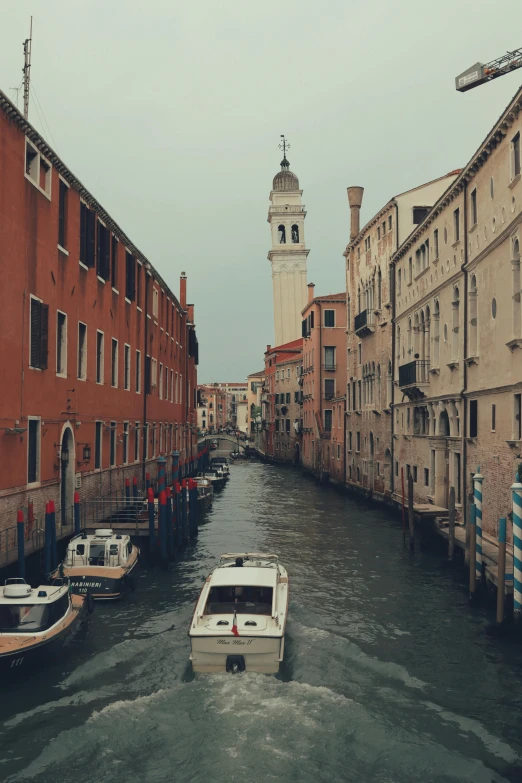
x: 67, y: 465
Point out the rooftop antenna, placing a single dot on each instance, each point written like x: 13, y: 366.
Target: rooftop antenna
x: 27, y: 69
x: 284, y: 146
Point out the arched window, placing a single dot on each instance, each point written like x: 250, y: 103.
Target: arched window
x: 379, y: 289
x: 436, y: 334
x: 515, y: 268
x: 282, y: 234
x: 295, y: 234
x: 473, y: 311
x: 427, y: 338
x: 455, y: 325
x: 409, y: 337
x: 389, y: 385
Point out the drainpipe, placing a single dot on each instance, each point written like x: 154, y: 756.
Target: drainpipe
x: 146, y: 338
x: 321, y: 379
x: 394, y: 358
x: 464, y: 449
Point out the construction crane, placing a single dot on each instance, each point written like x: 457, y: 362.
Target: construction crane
x: 480, y: 74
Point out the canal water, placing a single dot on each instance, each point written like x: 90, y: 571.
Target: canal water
x: 388, y: 675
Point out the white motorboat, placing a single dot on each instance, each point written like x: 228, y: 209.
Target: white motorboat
x: 205, y: 491
x: 100, y: 564
x: 240, y: 617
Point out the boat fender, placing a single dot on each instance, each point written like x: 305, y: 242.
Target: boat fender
x: 90, y: 603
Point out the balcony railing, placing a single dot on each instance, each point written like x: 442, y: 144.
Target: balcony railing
x: 330, y: 366
x: 290, y: 208
x: 364, y: 322
x: 414, y: 373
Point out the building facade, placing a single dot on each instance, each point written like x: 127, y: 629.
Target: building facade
x: 255, y: 383
x: 324, y: 375
x: 105, y: 376
x: 280, y: 419
x: 369, y: 391
x: 212, y: 408
x: 459, y: 333
x: 288, y: 254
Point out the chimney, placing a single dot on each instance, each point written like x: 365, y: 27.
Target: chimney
x: 311, y: 287
x: 183, y: 291
x: 268, y: 348
x: 355, y: 195
x: 190, y: 309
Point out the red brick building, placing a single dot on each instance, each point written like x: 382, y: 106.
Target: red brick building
x: 97, y: 354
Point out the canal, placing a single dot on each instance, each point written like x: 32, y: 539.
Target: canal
x: 388, y: 676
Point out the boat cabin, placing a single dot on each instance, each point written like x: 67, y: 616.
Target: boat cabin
x: 24, y: 609
x: 104, y: 548
x: 242, y: 590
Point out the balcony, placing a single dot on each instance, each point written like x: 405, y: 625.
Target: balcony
x: 414, y: 377
x: 364, y: 323
x: 329, y: 367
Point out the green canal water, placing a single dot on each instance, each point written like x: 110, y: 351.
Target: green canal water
x: 388, y: 675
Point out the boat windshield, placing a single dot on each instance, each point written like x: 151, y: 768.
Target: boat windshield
x: 243, y: 600
x: 26, y: 618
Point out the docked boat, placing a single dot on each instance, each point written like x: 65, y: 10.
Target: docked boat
x: 215, y: 477
x: 240, y: 617
x: 35, y: 623
x: 205, y: 491
x: 100, y: 564
x: 220, y: 463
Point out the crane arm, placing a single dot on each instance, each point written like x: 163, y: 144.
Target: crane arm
x: 480, y: 73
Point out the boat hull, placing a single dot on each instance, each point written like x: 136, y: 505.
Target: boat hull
x: 40, y: 651
x: 101, y: 587
x: 220, y: 653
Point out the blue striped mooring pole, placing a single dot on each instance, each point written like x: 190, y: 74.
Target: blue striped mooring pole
x: 516, y: 491
x: 478, y: 478
x: 162, y: 466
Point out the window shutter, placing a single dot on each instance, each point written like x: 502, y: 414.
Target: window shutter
x: 91, y: 238
x: 83, y: 233
x: 303, y: 328
x: 44, y: 336
x: 147, y: 375
x: 311, y: 320
x: 36, y: 316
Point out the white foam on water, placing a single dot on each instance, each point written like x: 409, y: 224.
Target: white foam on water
x: 470, y: 726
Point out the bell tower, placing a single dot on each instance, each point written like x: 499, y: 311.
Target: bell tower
x: 288, y: 254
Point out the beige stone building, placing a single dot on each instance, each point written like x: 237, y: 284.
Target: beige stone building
x: 369, y: 392
x: 287, y: 390
x: 255, y: 383
x: 458, y: 332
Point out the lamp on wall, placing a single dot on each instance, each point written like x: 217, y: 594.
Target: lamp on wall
x: 86, y: 453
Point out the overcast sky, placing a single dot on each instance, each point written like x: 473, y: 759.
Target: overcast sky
x: 170, y: 113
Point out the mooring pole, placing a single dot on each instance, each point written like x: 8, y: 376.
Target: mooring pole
x: 184, y: 509
x: 162, y: 514
x: 21, y: 543
x: 135, y: 488
x: 472, y: 553
x: 451, y: 523
x: 150, y: 509
x: 411, y: 518
x: 501, y: 572
x: 478, y: 478
x: 170, y: 524
x: 516, y: 491
x: 76, y: 514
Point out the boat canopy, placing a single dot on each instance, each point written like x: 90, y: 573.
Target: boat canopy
x: 244, y: 577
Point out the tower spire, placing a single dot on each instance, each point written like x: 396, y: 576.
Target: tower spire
x: 285, y: 164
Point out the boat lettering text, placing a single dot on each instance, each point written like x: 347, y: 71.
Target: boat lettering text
x: 235, y: 641
x: 84, y: 585
x: 17, y: 662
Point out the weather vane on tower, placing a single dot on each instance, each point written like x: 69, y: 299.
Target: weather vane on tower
x: 284, y: 146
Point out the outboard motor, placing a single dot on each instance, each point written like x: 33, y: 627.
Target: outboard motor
x: 235, y: 664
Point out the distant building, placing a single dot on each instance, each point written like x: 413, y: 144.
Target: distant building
x: 280, y: 402
x: 212, y: 408
x: 324, y: 375
x: 255, y: 385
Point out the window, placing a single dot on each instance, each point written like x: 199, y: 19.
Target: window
x: 288, y: 398
x: 138, y: 372
x: 126, y: 367
x: 456, y: 225
x: 172, y: 385
x: 82, y: 351
x: 329, y: 318
x: 390, y: 223
x: 350, y: 441
x: 146, y: 441
x: 473, y: 207
x: 328, y: 421
x: 155, y: 302
x: 98, y: 444
x: 125, y: 442
x: 166, y: 385
x: 493, y: 417
x: 287, y: 425
x: 415, y: 473
x: 419, y: 213
x: 329, y: 388
x: 436, y: 242
x: 114, y: 263
x: 61, y: 344
x: 295, y: 234
x: 359, y: 353
x: 378, y: 232
x: 114, y: 362
x: 410, y: 270
x: 399, y: 282
x: 160, y: 388
x: 62, y: 214
x: 281, y: 233
x: 130, y: 276
x: 39, y: 332
x: 103, y: 254
x: 426, y: 477
x: 99, y: 357
x: 517, y: 417
x: 473, y: 418
x: 33, y: 450
x: 113, y: 444
x: 296, y: 396
x: 329, y: 358
x: 87, y: 235
x: 37, y: 169
x: 515, y: 156
x: 358, y: 441
x: 136, y: 441
x: 153, y: 372
x: 139, y: 272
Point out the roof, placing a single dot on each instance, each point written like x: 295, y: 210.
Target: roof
x: 328, y: 298
x: 494, y: 137
x: 250, y: 576
x: 286, y: 347
x: 259, y: 374
x: 285, y: 180
x: 12, y: 113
